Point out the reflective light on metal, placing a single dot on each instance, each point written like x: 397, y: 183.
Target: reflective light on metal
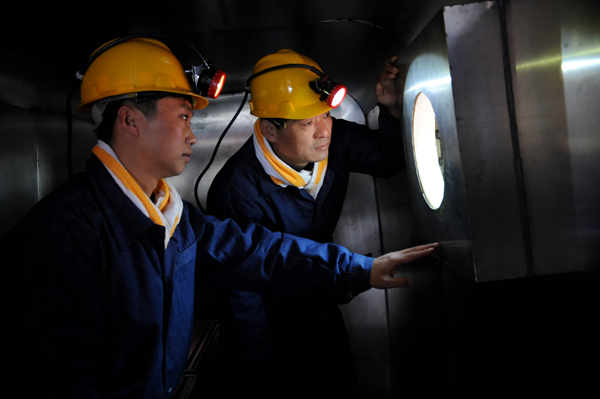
x: 430, y: 85
x: 579, y: 64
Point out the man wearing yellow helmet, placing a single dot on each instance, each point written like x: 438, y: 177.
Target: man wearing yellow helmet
x: 291, y: 176
x: 102, y: 271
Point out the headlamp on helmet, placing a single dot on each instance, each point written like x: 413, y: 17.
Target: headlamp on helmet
x: 295, y: 88
x: 142, y: 63
x: 329, y: 91
x: 206, y: 79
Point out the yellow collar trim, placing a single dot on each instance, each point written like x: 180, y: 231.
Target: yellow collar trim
x: 129, y: 182
x: 285, y: 171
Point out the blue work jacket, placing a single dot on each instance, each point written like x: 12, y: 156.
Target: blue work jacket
x: 243, y: 191
x: 99, y: 307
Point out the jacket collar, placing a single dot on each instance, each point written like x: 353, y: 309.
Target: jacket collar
x: 124, y: 218
x: 267, y: 186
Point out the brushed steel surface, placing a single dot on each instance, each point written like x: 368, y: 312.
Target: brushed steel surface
x: 483, y: 127
x: 208, y: 124
x: 520, y: 144
x: 428, y: 72
x: 33, y: 139
x: 18, y: 166
x: 554, y: 52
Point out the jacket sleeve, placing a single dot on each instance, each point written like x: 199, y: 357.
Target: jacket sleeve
x: 253, y: 258
x: 379, y: 153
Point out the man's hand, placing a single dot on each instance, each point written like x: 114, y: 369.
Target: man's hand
x: 382, y: 273
x: 385, y: 87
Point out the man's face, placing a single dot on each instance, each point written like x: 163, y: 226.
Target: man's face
x: 168, y: 137
x: 302, y: 141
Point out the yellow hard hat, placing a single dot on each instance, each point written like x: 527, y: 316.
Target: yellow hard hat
x: 136, y: 65
x: 290, y: 92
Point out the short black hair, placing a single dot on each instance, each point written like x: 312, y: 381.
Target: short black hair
x: 145, y: 102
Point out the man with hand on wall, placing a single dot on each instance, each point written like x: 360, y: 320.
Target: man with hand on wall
x: 292, y: 176
x: 101, y: 273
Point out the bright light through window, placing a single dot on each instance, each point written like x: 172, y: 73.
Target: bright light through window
x: 428, y: 152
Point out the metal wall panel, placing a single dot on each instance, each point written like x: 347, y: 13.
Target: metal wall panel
x: 18, y: 166
x: 208, y: 124
x: 483, y: 127
x: 33, y: 139
x: 428, y: 72
x: 519, y: 136
x: 555, y: 52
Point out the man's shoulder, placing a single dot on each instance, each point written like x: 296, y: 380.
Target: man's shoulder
x: 70, y: 210
x: 243, y: 155
x: 71, y: 196
x: 82, y: 202
x: 241, y: 172
x: 239, y: 186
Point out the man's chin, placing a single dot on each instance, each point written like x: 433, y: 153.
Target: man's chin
x: 322, y: 157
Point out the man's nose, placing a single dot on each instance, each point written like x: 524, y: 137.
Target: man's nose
x: 322, y: 128
x: 191, y: 138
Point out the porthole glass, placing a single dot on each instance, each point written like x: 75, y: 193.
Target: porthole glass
x: 427, y: 149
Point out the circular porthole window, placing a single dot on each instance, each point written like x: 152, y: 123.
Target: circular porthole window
x: 428, y: 152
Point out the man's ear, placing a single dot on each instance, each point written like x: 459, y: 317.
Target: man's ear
x: 268, y: 130
x: 126, y: 119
